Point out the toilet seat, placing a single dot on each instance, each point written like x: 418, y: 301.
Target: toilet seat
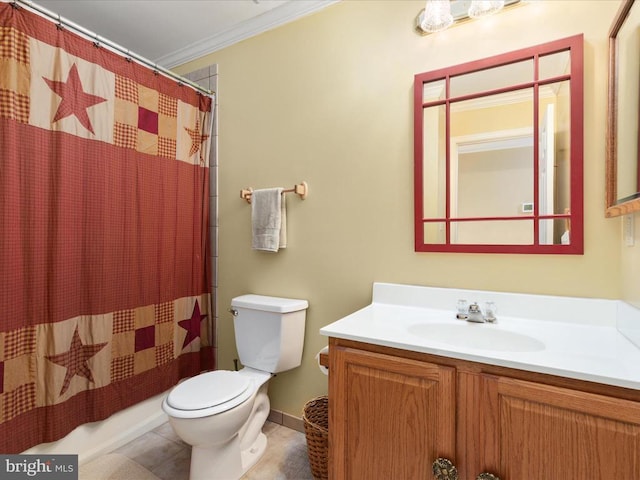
x: 208, y: 394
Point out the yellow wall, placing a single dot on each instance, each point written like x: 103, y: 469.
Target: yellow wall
x: 328, y: 99
x: 630, y: 261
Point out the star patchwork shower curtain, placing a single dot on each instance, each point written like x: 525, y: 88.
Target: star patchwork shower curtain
x: 104, y: 191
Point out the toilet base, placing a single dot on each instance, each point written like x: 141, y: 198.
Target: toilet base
x: 225, y: 464
x: 251, y: 455
x: 216, y: 463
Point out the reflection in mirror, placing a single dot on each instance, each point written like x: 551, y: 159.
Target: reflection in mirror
x: 553, y: 65
x: 507, y: 170
x: 492, y: 79
x: 495, y: 162
x: 623, y: 174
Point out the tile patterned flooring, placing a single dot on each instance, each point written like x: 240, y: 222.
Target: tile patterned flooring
x: 166, y: 456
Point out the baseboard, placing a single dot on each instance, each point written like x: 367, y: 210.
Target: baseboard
x: 286, y: 420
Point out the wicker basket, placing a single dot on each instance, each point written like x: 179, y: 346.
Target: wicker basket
x: 316, y: 428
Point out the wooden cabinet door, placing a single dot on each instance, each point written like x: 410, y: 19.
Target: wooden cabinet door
x: 389, y: 417
x: 533, y: 431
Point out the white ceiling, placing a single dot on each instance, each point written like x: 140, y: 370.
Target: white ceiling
x: 171, y: 32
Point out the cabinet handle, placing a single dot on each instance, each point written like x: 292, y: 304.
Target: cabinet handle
x: 487, y: 476
x: 443, y: 469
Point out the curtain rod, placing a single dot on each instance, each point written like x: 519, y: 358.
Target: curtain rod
x: 98, y: 41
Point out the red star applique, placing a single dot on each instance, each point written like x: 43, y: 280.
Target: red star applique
x: 75, y: 360
x: 196, y: 138
x: 192, y: 325
x: 75, y: 101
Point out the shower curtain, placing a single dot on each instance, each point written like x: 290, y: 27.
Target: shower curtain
x: 104, y: 248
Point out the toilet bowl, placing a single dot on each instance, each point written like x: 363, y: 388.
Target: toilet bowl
x: 221, y: 413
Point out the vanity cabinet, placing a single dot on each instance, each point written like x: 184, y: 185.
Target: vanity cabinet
x: 389, y: 416
x: 531, y: 430
x: 393, y: 412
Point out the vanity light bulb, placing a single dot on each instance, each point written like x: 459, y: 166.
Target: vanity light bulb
x: 437, y: 16
x: 482, y: 8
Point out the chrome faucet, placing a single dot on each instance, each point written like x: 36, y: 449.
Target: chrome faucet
x: 475, y: 315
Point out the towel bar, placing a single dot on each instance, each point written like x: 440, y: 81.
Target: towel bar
x: 301, y: 189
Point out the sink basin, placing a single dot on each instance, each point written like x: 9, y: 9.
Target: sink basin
x: 479, y: 336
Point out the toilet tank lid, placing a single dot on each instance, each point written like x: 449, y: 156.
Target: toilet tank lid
x: 269, y: 304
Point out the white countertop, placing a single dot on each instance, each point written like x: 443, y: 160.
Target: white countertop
x: 586, y: 348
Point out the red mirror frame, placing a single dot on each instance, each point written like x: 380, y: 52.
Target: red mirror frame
x: 575, y: 217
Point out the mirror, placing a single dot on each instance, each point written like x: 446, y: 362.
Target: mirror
x: 623, y: 182
x: 498, y: 153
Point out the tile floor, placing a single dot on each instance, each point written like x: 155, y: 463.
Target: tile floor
x: 167, y: 457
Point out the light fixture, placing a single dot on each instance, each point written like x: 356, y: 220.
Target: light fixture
x: 481, y: 8
x: 437, y: 16
x: 440, y: 14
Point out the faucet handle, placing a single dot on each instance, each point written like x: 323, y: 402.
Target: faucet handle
x: 490, y: 310
x: 463, y: 309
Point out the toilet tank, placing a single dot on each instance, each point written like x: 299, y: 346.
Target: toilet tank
x: 269, y: 331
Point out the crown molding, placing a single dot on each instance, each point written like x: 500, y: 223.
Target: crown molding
x: 491, y: 141
x: 507, y: 98
x: 269, y: 20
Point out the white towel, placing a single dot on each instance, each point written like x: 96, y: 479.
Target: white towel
x: 268, y: 219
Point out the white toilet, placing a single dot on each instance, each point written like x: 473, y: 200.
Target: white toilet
x: 221, y: 413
